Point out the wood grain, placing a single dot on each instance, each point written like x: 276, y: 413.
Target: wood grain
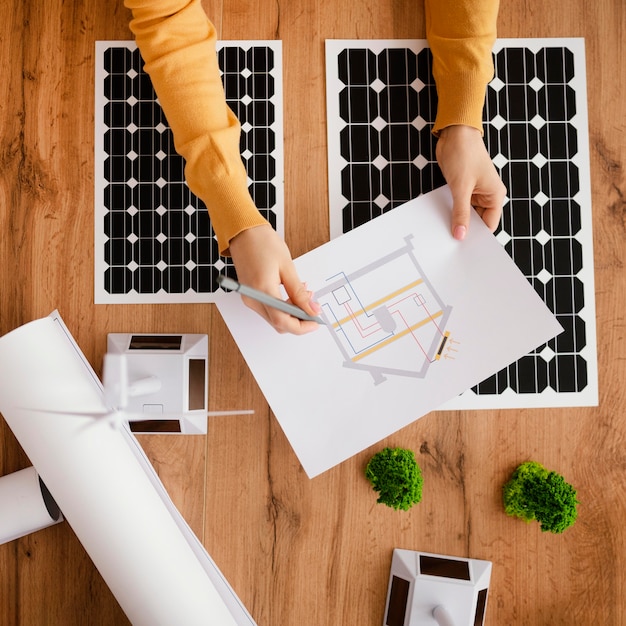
x: 299, y: 551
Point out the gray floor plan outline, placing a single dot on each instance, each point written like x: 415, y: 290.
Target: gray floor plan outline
x: 387, y: 318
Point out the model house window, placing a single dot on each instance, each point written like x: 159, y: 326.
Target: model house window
x: 197, y: 380
x: 481, y: 605
x: 155, y: 342
x: 447, y: 568
x: 398, y: 599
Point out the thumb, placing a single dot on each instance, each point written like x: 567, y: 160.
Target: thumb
x: 461, y: 208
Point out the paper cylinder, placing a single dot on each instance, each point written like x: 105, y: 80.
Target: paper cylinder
x: 26, y: 505
x: 104, y: 484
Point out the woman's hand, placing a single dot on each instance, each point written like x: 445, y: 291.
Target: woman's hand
x: 263, y: 261
x: 471, y: 176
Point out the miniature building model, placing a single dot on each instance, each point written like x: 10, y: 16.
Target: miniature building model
x: 178, y: 364
x: 431, y: 589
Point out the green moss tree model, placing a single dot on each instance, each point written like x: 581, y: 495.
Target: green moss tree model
x: 534, y: 493
x: 396, y: 476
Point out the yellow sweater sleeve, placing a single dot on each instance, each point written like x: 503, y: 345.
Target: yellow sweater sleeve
x: 461, y: 34
x: 177, y: 43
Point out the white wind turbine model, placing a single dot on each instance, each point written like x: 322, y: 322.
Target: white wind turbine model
x: 122, y: 388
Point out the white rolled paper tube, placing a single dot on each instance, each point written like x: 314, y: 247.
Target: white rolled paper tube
x: 99, y: 484
x: 25, y: 505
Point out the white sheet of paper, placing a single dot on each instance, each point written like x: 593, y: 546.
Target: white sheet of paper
x: 416, y: 319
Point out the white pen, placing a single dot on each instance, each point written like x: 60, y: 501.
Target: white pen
x: 232, y: 285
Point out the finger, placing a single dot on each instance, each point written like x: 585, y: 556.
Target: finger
x: 461, y: 207
x: 297, y: 291
x: 285, y: 323
x: 492, y: 200
x: 491, y: 206
x: 491, y: 217
x: 460, y: 218
x: 280, y: 321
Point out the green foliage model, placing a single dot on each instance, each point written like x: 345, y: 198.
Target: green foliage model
x: 395, y: 474
x: 534, y: 493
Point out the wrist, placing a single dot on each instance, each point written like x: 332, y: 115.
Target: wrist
x: 459, y: 130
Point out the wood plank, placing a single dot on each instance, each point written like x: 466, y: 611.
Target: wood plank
x: 179, y: 461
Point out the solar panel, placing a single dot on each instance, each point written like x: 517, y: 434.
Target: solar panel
x: 382, y: 102
x: 153, y: 237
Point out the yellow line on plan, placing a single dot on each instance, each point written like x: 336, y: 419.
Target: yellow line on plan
x: 376, y: 304
x: 393, y: 338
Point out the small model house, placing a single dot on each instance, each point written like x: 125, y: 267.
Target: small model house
x: 430, y: 589
x: 178, y: 364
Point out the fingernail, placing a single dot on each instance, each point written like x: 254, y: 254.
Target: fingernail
x: 315, y: 306
x: 459, y: 232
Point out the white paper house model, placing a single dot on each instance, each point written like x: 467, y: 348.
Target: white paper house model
x: 175, y: 368
x: 431, y: 589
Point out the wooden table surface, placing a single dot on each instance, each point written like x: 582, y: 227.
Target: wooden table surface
x: 298, y: 551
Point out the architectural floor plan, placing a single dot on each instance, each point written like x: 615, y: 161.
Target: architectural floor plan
x: 384, y: 323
